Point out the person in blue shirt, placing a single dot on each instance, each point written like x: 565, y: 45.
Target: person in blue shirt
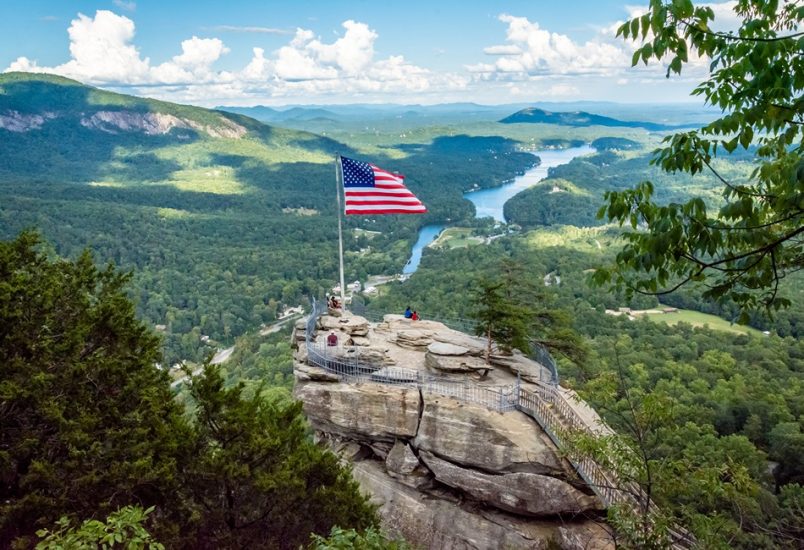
x: 408, y: 313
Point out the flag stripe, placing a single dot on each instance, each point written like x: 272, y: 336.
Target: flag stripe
x: 381, y: 193
x: 420, y: 210
x: 409, y: 202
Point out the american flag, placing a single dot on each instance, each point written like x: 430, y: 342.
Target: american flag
x: 371, y: 190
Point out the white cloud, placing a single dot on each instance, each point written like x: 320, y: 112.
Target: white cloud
x: 100, y: 47
x: 532, y: 50
x: 255, y: 30
x: 502, y: 50
x: 103, y: 52
x: 127, y: 6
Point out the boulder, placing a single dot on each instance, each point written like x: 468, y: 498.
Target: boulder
x: 300, y: 354
x: 394, y: 376
x: 381, y: 448
x: 413, y: 338
x: 360, y: 341
x: 367, y: 357
x: 473, y: 436
x: 308, y: 372
x: 521, y: 493
x: 434, y: 523
x: 459, y: 364
x: 363, y: 412
x: 445, y: 348
x: 402, y: 465
x: 446, y: 364
x: 474, y: 345
x: 527, y: 368
x: 401, y: 459
x: 353, y: 325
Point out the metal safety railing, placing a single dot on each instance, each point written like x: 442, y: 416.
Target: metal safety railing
x: 538, y: 353
x: 545, y: 403
x: 350, y: 365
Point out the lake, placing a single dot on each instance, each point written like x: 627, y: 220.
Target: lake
x: 490, y: 202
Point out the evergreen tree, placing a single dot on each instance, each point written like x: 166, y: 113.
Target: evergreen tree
x: 87, y: 420
x: 500, y: 319
x: 257, y: 478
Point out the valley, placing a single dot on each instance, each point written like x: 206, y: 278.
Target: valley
x: 225, y: 221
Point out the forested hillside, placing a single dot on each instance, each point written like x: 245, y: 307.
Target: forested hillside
x: 726, y: 403
x: 222, y: 219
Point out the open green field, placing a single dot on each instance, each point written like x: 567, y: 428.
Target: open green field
x: 456, y: 237
x: 697, y: 319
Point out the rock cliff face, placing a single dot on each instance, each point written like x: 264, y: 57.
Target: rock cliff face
x: 446, y: 472
x: 117, y: 122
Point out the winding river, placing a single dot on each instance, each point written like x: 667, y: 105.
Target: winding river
x: 490, y: 202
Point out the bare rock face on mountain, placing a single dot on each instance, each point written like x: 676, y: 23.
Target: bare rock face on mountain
x: 154, y: 124
x: 427, y: 440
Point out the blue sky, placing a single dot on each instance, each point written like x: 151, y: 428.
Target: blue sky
x: 271, y: 52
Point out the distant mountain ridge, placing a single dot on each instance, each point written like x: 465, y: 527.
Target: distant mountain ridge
x: 577, y: 118
x: 32, y: 101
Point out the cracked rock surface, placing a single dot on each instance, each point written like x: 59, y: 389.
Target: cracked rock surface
x: 447, y: 473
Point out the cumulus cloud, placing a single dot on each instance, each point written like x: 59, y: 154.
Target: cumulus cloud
x: 532, y: 50
x: 103, y: 52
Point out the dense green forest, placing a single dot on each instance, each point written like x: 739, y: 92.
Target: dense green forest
x: 221, y: 228
x: 89, y: 425
x: 573, y: 193
x: 220, y: 232
x: 735, y: 396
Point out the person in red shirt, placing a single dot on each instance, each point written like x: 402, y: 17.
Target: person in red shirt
x: 415, y: 316
x: 332, y: 339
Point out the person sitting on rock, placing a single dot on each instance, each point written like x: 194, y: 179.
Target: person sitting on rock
x: 332, y: 339
x: 414, y: 317
x: 408, y: 313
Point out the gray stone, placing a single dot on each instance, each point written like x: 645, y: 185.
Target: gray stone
x: 445, y: 364
x: 353, y: 325
x: 520, y: 493
x: 472, y: 435
x: 475, y: 345
x: 401, y: 459
x: 308, y: 372
x: 364, y: 412
x: 381, y: 448
x: 413, y: 338
x: 427, y: 521
x: 444, y: 348
x: 361, y: 341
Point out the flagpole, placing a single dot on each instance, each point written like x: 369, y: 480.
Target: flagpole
x: 338, y: 180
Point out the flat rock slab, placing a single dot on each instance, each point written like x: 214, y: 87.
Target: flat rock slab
x: 353, y: 325
x: 520, y: 493
x: 309, y: 372
x: 443, y: 348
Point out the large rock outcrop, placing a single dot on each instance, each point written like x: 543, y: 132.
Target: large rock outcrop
x: 363, y: 412
x: 446, y: 472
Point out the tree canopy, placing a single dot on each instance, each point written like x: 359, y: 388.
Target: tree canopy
x: 747, y: 246
x: 89, y: 426
x: 87, y: 421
